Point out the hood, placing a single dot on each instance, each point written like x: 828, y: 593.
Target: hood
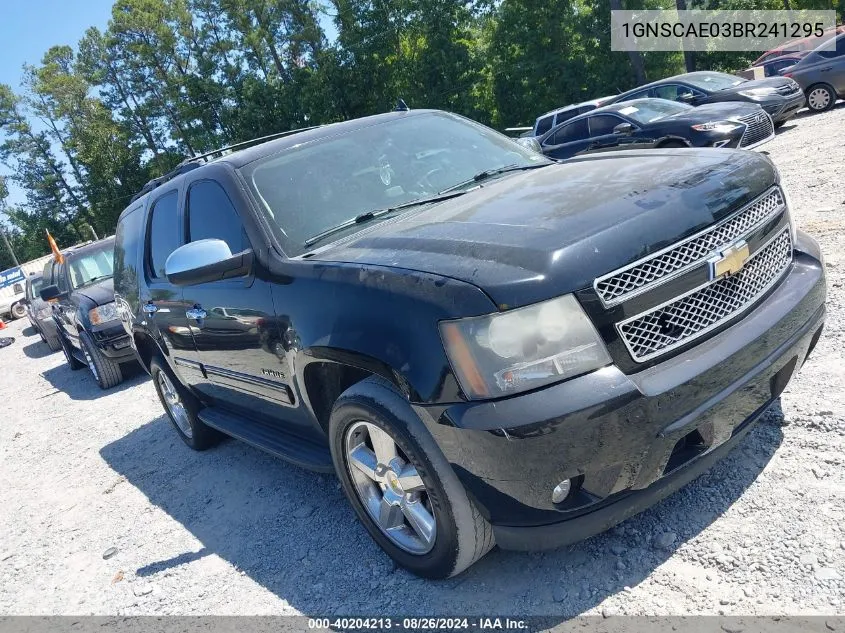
x: 538, y: 234
x: 99, y: 293
x: 768, y: 82
x: 714, y: 111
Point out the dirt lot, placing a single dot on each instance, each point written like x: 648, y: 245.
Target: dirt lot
x: 234, y: 531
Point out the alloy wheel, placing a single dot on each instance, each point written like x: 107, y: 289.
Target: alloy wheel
x: 818, y: 99
x: 174, y: 404
x: 390, y: 488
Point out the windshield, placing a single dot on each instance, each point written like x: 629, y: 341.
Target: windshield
x: 309, y: 189
x: 650, y: 110
x: 92, y: 266
x: 713, y: 81
x: 35, y: 287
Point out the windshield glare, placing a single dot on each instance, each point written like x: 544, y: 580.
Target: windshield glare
x: 714, y: 81
x: 92, y: 266
x: 650, y: 110
x: 309, y: 189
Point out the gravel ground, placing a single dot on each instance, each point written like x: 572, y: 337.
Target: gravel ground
x: 234, y: 531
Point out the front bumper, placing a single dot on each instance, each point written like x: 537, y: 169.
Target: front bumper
x: 629, y: 440
x: 111, y: 339
x: 783, y: 108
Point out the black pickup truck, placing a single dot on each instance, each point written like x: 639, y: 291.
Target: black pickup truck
x: 82, y: 297
x: 487, y: 346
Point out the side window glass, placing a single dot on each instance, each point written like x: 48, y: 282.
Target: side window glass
x: 544, y: 125
x: 671, y: 92
x: 211, y: 215
x: 565, y: 116
x: 165, y: 236
x: 571, y: 132
x: 603, y: 124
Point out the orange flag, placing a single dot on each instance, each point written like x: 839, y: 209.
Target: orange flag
x: 57, y: 254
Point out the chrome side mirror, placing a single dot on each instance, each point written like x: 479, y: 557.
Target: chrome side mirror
x: 205, y: 260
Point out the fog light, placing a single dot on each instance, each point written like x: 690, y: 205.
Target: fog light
x: 561, y: 491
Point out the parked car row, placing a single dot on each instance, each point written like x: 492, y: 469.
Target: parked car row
x: 487, y: 346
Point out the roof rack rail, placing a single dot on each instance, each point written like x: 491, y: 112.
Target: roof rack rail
x: 194, y: 162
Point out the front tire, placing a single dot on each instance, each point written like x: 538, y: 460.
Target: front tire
x: 400, y: 484
x: 820, y: 97
x: 18, y: 311
x: 182, y: 408
x: 106, y: 372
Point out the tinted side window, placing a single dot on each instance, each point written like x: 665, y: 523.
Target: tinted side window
x: 211, y: 215
x: 544, y: 125
x: 672, y: 91
x: 830, y: 54
x: 165, y: 236
x: 603, y: 124
x: 640, y: 94
x: 127, y: 244
x: 566, y: 115
x: 571, y: 132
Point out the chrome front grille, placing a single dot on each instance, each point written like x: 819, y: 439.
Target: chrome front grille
x: 662, y: 266
x: 788, y: 89
x: 759, y: 127
x: 692, y: 315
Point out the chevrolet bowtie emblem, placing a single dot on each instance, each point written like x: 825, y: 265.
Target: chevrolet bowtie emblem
x: 730, y: 261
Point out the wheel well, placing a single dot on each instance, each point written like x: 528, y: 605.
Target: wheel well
x: 672, y: 141
x: 324, y: 382
x: 146, y: 349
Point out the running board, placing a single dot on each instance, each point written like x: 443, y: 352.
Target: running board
x: 269, y: 437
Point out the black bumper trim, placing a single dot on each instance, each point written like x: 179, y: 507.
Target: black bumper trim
x: 574, y: 530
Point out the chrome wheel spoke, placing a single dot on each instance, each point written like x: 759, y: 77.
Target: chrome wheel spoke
x: 364, y: 460
x: 390, y: 515
x: 410, y: 479
x: 383, y: 445
x: 420, y: 520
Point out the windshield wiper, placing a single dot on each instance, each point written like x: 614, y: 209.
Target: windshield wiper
x: 95, y: 279
x: 377, y: 213
x: 489, y: 173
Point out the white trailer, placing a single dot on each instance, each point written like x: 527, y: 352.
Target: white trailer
x: 12, y: 283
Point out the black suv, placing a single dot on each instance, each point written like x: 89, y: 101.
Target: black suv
x: 486, y: 346
x: 87, y: 324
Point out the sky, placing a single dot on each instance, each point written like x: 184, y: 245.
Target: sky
x: 29, y: 27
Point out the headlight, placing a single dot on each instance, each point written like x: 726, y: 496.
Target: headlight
x: 103, y: 313
x: 716, y: 126
x: 44, y: 313
x: 522, y: 349
x: 758, y: 92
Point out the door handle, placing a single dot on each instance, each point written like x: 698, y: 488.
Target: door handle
x: 150, y: 308
x: 196, y: 313
x: 824, y: 70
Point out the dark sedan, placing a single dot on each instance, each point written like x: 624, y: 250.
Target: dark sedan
x: 652, y: 123
x: 779, y: 96
x: 821, y: 75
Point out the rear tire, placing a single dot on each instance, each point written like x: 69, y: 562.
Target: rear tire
x: 52, y: 341
x: 820, y: 97
x: 182, y: 408
x: 106, y: 372
x: 417, y: 487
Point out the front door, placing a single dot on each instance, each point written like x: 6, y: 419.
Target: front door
x: 233, y: 322
x: 161, y: 305
x: 570, y: 139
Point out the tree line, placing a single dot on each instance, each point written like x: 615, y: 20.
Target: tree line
x: 90, y: 124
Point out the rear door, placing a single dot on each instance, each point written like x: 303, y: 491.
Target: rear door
x: 233, y: 322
